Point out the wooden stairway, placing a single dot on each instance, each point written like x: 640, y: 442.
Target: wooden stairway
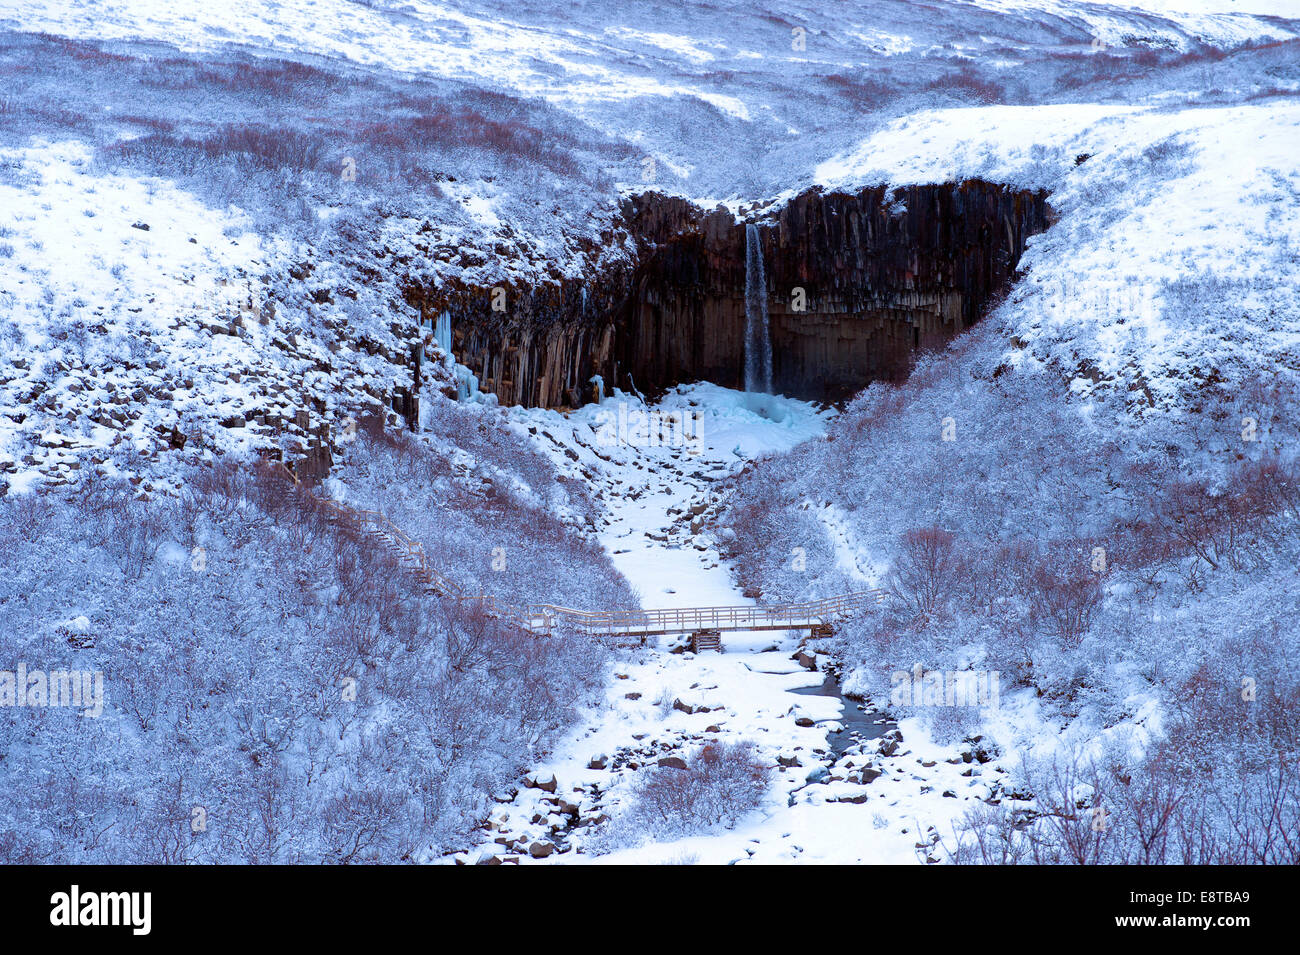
x: 702, y: 640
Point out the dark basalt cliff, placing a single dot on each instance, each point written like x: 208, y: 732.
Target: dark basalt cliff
x: 855, y: 284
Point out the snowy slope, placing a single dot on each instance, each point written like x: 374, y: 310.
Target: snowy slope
x: 770, y: 79
x: 1165, y: 198
x: 134, y: 311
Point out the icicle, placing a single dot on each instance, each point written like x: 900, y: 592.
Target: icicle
x: 442, y: 333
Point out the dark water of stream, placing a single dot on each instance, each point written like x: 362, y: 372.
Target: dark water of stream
x: 859, y: 725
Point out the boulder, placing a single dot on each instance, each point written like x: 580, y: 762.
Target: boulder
x: 540, y: 850
x: 543, y: 781
x: 672, y: 762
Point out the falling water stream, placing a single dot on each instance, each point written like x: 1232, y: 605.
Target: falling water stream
x: 758, y: 342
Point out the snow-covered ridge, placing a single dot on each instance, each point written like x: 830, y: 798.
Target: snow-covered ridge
x: 1151, y: 201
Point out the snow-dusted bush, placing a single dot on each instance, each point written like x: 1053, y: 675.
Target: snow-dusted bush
x: 927, y: 570
x: 1152, y: 812
x: 721, y: 784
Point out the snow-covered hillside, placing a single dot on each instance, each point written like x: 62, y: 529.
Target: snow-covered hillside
x: 236, y: 234
x: 1175, y: 260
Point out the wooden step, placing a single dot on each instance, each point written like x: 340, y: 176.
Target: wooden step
x: 702, y: 640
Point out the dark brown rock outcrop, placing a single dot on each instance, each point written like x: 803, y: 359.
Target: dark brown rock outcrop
x: 856, y: 284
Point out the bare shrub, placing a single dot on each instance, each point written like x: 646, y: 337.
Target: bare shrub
x: 862, y: 92
x: 365, y: 824
x: 721, y: 783
x: 926, y: 571
x: 968, y: 84
x: 1059, y: 827
x: 24, y: 518
x: 1064, y: 596
x: 1229, y: 528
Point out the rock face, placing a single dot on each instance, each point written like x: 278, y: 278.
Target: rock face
x: 856, y: 283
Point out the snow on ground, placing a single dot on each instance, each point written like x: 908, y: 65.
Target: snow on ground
x: 1115, y: 22
x: 1146, y: 197
x: 143, y: 265
x: 421, y: 37
x: 132, y: 308
x: 663, y: 703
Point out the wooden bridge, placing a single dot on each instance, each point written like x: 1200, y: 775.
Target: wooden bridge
x: 812, y: 615
x: 816, y: 615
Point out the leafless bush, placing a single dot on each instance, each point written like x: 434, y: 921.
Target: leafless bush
x: 1065, y: 595
x: 24, y: 518
x: 926, y: 571
x: 863, y: 93
x: 1064, y: 824
x: 1206, y: 794
x: 968, y: 84
x: 365, y: 824
x: 1230, y: 528
x: 720, y: 784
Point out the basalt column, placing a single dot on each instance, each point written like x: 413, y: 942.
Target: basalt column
x: 856, y: 283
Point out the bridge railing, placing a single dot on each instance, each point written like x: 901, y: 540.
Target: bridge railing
x: 543, y: 617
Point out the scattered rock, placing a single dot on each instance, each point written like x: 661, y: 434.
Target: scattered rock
x: 598, y: 762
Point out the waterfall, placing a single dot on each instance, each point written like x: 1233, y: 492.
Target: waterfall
x: 758, y: 341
